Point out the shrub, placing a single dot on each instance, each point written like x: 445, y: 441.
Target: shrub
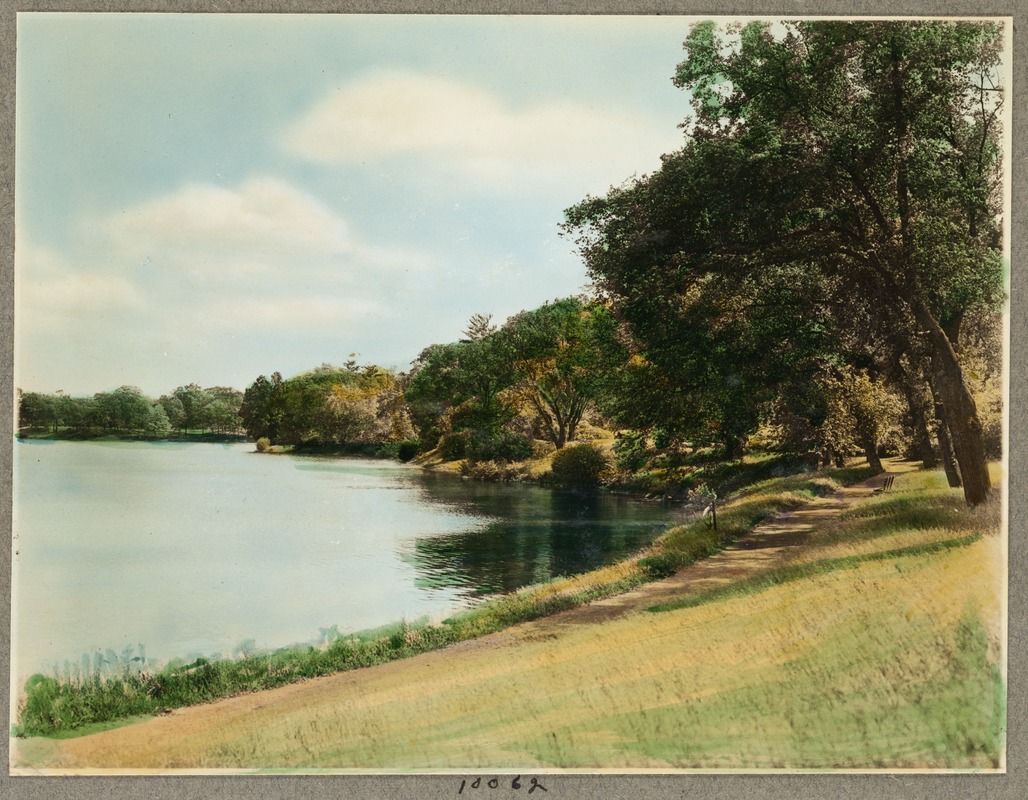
x: 580, y: 465
x: 498, y: 445
x: 454, y: 446
x: 662, y: 438
x: 407, y: 449
x: 630, y: 451
x: 492, y: 471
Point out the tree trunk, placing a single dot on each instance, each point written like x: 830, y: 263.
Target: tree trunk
x: 949, y: 462
x: 921, y: 449
x: 870, y: 444
x: 964, y: 425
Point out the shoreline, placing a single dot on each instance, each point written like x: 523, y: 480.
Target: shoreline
x: 612, y: 639
x: 204, y: 681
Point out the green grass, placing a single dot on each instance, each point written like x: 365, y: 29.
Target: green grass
x: 686, y: 544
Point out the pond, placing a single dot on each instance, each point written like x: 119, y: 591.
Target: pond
x: 186, y: 549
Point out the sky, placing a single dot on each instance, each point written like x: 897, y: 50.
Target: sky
x: 209, y: 198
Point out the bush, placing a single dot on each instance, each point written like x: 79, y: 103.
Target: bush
x: 492, y: 471
x: 662, y: 438
x: 580, y: 465
x: 454, y: 446
x: 406, y: 450
x: 498, y: 445
x: 630, y: 451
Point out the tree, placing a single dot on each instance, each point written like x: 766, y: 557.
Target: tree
x: 457, y: 386
x: 479, y: 327
x: 338, y: 405
x: 259, y: 410
x: 36, y: 410
x: 858, y: 414
x: 222, y: 413
x: 564, y: 351
x: 195, y: 406
x: 124, y: 409
x: 174, y: 411
x: 157, y: 423
x: 862, y: 156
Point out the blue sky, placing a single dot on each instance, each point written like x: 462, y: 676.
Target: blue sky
x: 207, y: 198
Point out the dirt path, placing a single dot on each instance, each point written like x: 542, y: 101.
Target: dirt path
x: 768, y: 546
x: 154, y: 743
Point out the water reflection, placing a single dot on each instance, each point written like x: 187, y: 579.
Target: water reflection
x: 192, y: 548
x: 532, y: 535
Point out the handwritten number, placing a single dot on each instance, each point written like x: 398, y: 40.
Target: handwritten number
x: 494, y: 783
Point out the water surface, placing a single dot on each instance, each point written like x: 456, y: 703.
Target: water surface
x: 186, y: 549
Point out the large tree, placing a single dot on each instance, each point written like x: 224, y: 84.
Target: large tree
x: 564, y: 352
x: 859, y: 160
x: 457, y: 386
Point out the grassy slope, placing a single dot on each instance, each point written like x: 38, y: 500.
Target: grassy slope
x: 860, y: 662
x: 64, y: 706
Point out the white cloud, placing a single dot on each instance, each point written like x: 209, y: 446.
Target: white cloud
x: 394, y: 114
x: 49, y: 288
x: 196, y: 271
x: 263, y: 219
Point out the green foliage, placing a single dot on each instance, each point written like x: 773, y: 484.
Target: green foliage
x: 836, y: 203
x: 565, y: 352
x: 456, y: 387
x: 630, y: 451
x: 407, y: 449
x: 497, y: 445
x: 454, y: 446
x: 328, y: 405
x: 126, y: 411
x: 579, y: 466
x: 542, y: 371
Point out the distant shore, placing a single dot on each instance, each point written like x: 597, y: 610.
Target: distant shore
x: 83, y: 436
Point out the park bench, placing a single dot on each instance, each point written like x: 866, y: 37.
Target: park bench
x: 886, y: 484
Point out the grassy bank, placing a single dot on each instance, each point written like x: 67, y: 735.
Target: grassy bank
x: 877, y: 645
x: 59, y: 705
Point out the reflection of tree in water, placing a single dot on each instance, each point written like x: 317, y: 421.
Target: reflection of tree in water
x: 536, y: 534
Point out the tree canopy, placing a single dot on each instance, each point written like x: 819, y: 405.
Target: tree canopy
x: 837, y: 194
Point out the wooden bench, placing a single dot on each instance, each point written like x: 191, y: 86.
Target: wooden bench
x: 886, y: 484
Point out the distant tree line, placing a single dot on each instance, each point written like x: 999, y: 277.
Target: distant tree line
x: 127, y: 411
